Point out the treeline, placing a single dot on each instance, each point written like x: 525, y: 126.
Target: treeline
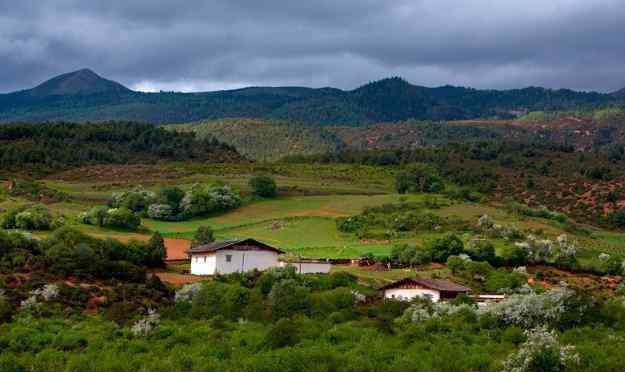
x: 63, y: 145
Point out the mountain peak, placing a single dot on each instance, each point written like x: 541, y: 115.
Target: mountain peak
x: 619, y: 93
x: 80, y: 82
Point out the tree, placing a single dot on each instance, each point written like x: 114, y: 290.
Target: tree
x: 443, y: 247
x: 171, y: 196
x: 122, y: 217
x: 418, y: 178
x: 283, y: 333
x: 287, y: 298
x: 483, y: 250
x: 263, y: 186
x: 158, y: 252
x: 203, y: 235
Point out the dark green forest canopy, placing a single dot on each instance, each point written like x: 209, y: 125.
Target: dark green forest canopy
x: 62, y: 145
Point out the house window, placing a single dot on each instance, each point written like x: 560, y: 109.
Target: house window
x: 228, y: 258
x: 204, y: 259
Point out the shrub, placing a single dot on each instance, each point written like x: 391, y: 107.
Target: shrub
x: 483, y: 250
x: 283, y: 333
x: 123, y: 218
x: 203, y: 235
x: 533, y: 309
x: 6, y: 309
x: 351, y: 224
x: 264, y: 186
x: 224, y: 198
x: 36, y: 217
x: 215, y: 298
x: 444, y: 247
x: 136, y: 200
x: 541, y: 352
x: 503, y: 281
x: 418, y: 178
x: 411, y: 255
x: 158, y: 252
x: 95, y: 216
x: 171, y: 196
x: 288, y: 298
x: 161, y: 212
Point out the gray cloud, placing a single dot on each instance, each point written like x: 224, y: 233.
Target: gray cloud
x: 207, y: 45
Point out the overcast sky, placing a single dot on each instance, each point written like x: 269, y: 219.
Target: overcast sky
x: 200, y: 45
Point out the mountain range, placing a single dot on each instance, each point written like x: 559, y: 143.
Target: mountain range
x: 83, y: 96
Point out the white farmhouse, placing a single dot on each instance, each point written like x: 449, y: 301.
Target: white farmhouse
x: 232, y: 256
x: 437, y: 290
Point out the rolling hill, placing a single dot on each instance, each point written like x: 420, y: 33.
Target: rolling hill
x: 265, y: 140
x: 85, y: 96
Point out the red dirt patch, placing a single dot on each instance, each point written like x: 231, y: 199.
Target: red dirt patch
x: 176, y: 248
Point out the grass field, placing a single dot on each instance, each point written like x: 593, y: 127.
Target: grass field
x: 300, y: 221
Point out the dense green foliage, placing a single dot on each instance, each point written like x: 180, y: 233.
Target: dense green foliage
x: 278, y: 320
x: 33, y: 217
x: 264, y: 186
x: 63, y: 145
x: 203, y: 235
x: 68, y: 252
x: 170, y: 203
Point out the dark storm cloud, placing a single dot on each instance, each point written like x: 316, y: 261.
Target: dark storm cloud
x: 205, y: 45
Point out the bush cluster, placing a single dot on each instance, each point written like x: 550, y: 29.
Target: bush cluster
x: 35, y: 217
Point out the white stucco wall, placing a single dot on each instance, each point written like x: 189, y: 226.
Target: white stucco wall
x: 309, y: 267
x: 203, y: 264
x: 409, y: 294
x: 242, y: 261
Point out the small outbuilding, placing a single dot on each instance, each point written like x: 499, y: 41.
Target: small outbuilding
x: 308, y: 266
x: 232, y: 256
x: 437, y: 290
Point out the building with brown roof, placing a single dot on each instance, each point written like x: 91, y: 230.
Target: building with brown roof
x: 409, y: 288
x: 231, y: 256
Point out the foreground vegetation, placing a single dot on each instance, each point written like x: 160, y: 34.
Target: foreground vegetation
x: 82, y: 251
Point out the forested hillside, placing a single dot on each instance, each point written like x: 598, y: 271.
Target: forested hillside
x: 265, y: 140
x: 64, y: 145
x: 85, y: 96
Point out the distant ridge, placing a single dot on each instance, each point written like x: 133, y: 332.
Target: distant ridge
x: 85, y: 96
x: 81, y: 82
x: 619, y: 94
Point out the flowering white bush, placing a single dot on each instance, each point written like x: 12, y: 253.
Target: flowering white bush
x: 464, y: 257
x: 531, y: 309
x: 542, y: 351
x: 145, y: 326
x: 188, y: 292
x: 46, y: 293
x: 485, y: 222
x: 487, y: 225
x: 359, y: 297
x: 520, y: 270
x: 424, y: 311
x: 545, y: 250
x: 161, y: 211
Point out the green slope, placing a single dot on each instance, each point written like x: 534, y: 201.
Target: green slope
x: 265, y: 140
